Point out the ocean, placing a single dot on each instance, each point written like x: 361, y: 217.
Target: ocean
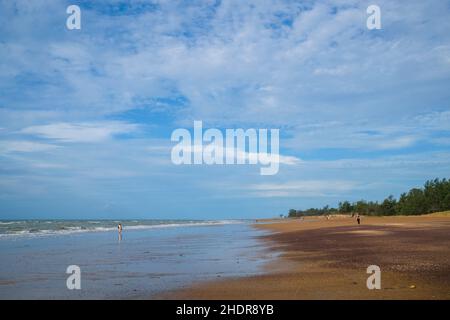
x: 149, y: 258
x: 36, y: 228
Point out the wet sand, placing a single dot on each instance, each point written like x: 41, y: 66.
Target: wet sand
x: 328, y: 259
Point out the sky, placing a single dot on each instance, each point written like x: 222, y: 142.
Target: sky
x: 86, y: 115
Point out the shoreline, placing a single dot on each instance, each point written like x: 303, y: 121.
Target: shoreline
x: 328, y: 259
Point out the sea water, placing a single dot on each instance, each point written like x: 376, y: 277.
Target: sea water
x: 151, y: 256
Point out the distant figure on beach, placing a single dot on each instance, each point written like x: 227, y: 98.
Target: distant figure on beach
x: 358, y: 218
x: 119, y: 228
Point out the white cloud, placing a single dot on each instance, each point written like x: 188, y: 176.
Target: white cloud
x: 396, y: 143
x: 306, y: 188
x: 240, y: 155
x: 81, y: 132
x: 438, y: 120
x: 24, y: 146
x: 231, y: 52
x: 338, y: 71
x: 416, y: 161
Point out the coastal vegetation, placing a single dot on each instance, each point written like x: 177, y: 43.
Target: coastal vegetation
x: 433, y: 197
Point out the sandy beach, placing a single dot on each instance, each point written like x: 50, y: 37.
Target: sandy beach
x: 328, y: 259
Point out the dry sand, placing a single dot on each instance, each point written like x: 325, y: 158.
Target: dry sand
x: 328, y: 259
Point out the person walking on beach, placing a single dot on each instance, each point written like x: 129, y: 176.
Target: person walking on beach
x: 119, y: 228
x: 358, y: 218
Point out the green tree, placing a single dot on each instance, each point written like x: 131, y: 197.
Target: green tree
x: 292, y: 213
x: 434, y: 196
x: 345, y: 207
x: 413, y: 203
x: 388, y: 206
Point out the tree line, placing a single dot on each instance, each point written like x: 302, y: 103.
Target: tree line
x: 433, y: 197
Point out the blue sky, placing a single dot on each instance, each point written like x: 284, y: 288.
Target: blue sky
x: 86, y: 115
